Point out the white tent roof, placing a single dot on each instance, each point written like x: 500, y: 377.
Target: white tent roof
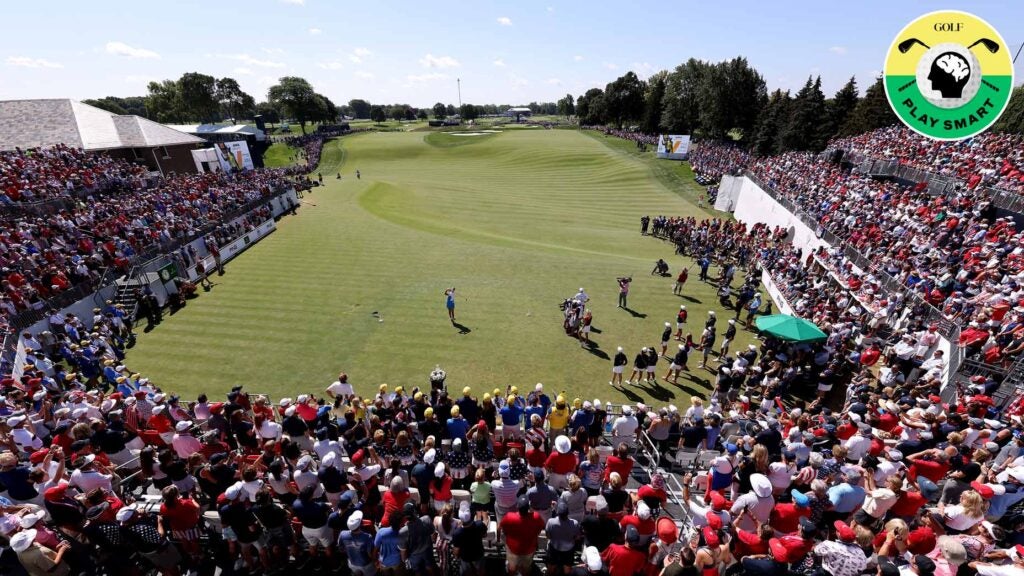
x: 38, y: 123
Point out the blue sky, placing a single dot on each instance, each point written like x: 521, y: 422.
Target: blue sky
x: 412, y: 52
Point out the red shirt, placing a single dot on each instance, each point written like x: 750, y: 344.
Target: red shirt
x: 536, y: 458
x: 521, y: 532
x: 930, y: 469
x: 786, y: 517
x: 797, y: 546
x: 647, y: 491
x: 748, y: 543
x: 306, y: 411
x: 621, y: 560
x: 392, y: 503
x: 444, y: 493
x: 644, y: 527
x: 845, y: 431
x: 887, y: 422
x: 908, y: 503
x: 561, y: 463
x: 182, y: 516
x: 616, y: 464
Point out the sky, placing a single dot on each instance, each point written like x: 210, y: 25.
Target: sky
x: 388, y: 51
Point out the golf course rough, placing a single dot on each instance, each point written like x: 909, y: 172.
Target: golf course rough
x: 516, y: 221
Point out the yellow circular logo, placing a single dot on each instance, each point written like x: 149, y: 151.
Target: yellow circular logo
x: 948, y: 75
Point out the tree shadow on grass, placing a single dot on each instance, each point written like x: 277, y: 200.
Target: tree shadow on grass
x: 463, y: 329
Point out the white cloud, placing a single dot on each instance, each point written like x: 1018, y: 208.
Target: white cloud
x: 242, y: 71
x: 505, y: 21
x: 424, y: 78
x: 550, y: 8
x: 247, y: 59
x: 362, y: 52
x: 294, y: 2
x: 431, y: 61
x: 355, y: 59
x: 140, y: 80
x: 314, y: 31
x: 331, y: 65
x: 276, y: 51
x: 499, y: 62
x: 643, y: 69
x: 26, y: 62
x: 838, y: 50
x: 611, y: 65
x: 122, y: 49
x: 554, y: 81
x: 517, y: 81
x: 578, y: 58
x: 364, y: 75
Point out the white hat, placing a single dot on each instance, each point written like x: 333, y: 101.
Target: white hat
x: 158, y: 409
x: 302, y: 399
x: 329, y: 460
x: 305, y: 462
x: 159, y: 397
x: 235, y: 490
x: 15, y: 421
x: 563, y: 444
x: 29, y: 520
x: 592, y: 557
x: 355, y: 520
x: 761, y: 484
x: 183, y: 426
x: 429, y: 456
x: 106, y: 405
x: 597, y: 403
x: 751, y: 346
x: 119, y: 368
x: 538, y: 387
x: 39, y: 395
x: 22, y: 540
x: 667, y: 324
x: 732, y: 321
x: 627, y: 410
x: 285, y: 402
x: 457, y: 443
x: 643, y: 510
x: 682, y: 307
x: 290, y: 411
x: 439, y: 470
x: 130, y: 401
x: 125, y: 514
x: 711, y: 312
x: 465, y: 514
x: 620, y: 349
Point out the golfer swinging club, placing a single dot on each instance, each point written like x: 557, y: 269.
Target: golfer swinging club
x: 450, y: 303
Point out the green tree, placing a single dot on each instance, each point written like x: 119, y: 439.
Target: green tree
x: 590, y: 108
x: 872, y: 112
x: 421, y: 114
x: 838, y: 109
x: 164, y: 102
x: 296, y: 97
x: 450, y: 110
x: 234, y: 103
x: 1012, y: 119
x: 199, y: 96
x: 269, y: 112
x: 566, y: 106
x: 774, y: 115
x: 681, y: 106
x: 624, y: 98
x: 440, y: 112
x: 468, y: 112
x: 653, y: 98
x: 360, y: 108
x: 377, y: 114
x: 105, y: 104
x: 802, y: 131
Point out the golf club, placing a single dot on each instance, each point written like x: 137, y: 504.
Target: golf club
x: 991, y: 45
x: 907, y: 44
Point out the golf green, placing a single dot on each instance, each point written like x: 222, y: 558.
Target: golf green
x: 516, y: 221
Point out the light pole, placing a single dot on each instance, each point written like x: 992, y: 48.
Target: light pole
x: 458, y: 83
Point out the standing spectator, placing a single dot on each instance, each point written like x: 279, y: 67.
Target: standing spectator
x: 520, y: 529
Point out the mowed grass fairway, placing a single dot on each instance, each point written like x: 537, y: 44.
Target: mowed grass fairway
x: 516, y: 221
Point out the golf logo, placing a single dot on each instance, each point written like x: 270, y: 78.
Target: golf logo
x: 948, y: 75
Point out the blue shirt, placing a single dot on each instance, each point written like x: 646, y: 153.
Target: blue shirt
x: 998, y: 505
x: 510, y: 415
x: 387, y: 542
x: 846, y: 498
x: 358, y: 546
x: 457, y: 428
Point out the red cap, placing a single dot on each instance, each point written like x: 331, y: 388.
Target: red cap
x: 55, y: 493
x: 986, y: 492
x: 1020, y: 550
x: 216, y: 408
x: 140, y: 393
x: 358, y: 457
x: 779, y: 552
x: 843, y: 530
x: 978, y: 379
x: 38, y: 456
x: 667, y: 530
x: 481, y: 424
x: 714, y: 520
x: 711, y: 536
x: 116, y: 396
x: 718, y: 502
x: 921, y: 540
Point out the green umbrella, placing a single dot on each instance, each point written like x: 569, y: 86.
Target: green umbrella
x: 791, y: 328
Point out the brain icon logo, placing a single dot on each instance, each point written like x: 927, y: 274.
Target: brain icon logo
x: 949, y: 74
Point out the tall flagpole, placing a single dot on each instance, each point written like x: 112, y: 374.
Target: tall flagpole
x: 458, y: 82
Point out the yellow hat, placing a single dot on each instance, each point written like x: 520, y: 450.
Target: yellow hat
x: 511, y: 399
x: 466, y: 391
x: 560, y: 399
x: 121, y: 379
x: 497, y: 392
x: 135, y: 376
x: 418, y: 396
x: 69, y: 376
x: 455, y: 411
x: 383, y: 387
x: 515, y: 390
x: 108, y: 362
x: 399, y: 389
x: 486, y: 396
x: 428, y: 412
x: 576, y: 402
